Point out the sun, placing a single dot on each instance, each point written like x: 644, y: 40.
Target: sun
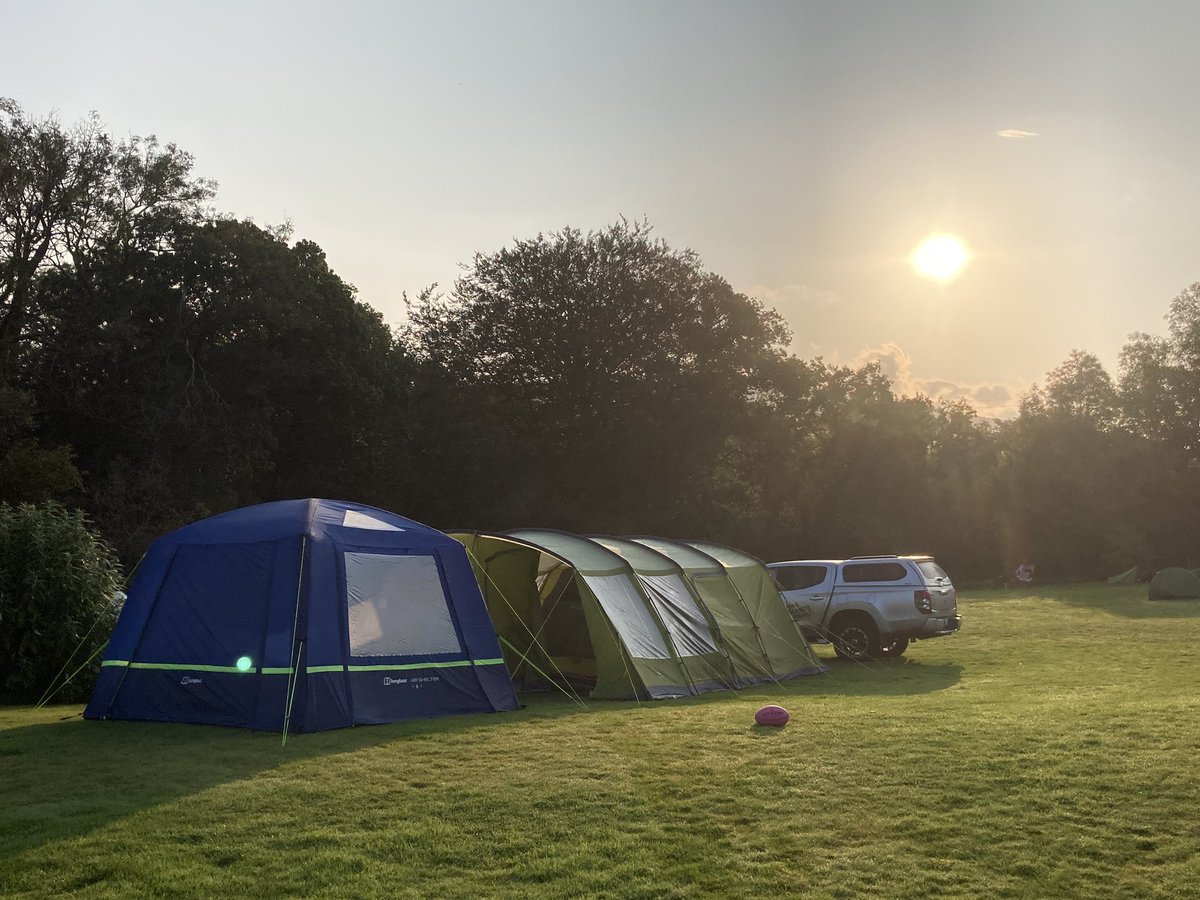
x: 940, y: 257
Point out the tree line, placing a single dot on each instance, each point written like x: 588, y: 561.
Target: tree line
x: 161, y: 361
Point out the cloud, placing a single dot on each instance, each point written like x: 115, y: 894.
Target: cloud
x: 993, y: 395
x: 1016, y: 133
x: 893, y: 362
x: 794, y: 293
x: 992, y: 400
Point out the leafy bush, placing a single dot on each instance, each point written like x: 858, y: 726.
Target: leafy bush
x: 58, y: 581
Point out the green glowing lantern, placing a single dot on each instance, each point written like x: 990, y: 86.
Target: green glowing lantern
x: 244, y: 664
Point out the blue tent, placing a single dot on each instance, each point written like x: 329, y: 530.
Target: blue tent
x: 302, y: 615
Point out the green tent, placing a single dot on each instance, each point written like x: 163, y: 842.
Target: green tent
x: 1129, y: 576
x: 582, y: 618
x: 1174, y: 584
x: 783, y: 653
x: 690, y: 626
x: 760, y: 593
x: 615, y: 615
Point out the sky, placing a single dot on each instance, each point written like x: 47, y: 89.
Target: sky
x: 802, y: 149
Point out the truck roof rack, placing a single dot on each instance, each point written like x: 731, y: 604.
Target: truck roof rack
x: 877, y: 556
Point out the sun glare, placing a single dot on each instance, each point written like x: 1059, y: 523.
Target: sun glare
x: 940, y: 257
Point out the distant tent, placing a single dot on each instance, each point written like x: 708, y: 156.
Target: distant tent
x: 622, y: 617
x: 1174, y: 584
x: 302, y: 615
x: 1129, y: 576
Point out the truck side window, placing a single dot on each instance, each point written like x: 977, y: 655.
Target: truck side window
x: 797, y: 578
x: 857, y: 573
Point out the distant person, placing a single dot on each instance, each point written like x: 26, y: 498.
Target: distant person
x: 1024, y: 573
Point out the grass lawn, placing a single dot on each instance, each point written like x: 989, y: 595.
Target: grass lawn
x: 1049, y: 750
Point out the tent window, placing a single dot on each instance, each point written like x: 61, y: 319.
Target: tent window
x: 675, y: 606
x: 627, y: 611
x: 355, y: 519
x: 397, y: 606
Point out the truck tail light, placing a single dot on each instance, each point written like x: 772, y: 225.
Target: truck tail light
x: 923, y: 601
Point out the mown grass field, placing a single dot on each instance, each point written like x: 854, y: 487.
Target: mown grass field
x: 1049, y: 750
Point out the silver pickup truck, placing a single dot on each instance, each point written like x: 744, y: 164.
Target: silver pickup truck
x: 869, y: 606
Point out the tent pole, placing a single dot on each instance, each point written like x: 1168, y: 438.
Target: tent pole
x: 287, y: 717
x: 508, y: 603
x: 294, y: 657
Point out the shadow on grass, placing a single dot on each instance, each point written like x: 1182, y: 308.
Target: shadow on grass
x: 1128, y: 600
x: 64, y: 779
x: 893, y: 677
x: 1131, y: 602
x: 1148, y: 609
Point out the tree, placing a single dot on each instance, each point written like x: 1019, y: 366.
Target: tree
x: 567, y: 314
x: 1147, y: 388
x: 66, y: 191
x: 1080, y: 387
x: 1183, y: 323
x: 235, y: 368
x: 58, y: 584
x: 29, y: 472
x: 608, y: 369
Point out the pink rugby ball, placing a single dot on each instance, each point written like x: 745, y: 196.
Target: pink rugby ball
x: 772, y: 715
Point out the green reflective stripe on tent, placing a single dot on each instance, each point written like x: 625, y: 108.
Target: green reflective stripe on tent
x: 311, y: 670
x: 452, y: 664
x: 406, y: 667
x: 184, y: 667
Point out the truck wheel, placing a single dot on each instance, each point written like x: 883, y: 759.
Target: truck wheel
x: 893, y: 648
x: 856, y: 638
